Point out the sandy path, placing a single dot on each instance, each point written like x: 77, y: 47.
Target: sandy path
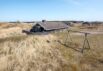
x: 91, y: 32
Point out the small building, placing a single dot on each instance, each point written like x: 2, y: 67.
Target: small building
x: 86, y: 24
x: 48, y: 26
x: 92, y: 24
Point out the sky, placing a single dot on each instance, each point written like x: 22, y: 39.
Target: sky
x: 36, y: 10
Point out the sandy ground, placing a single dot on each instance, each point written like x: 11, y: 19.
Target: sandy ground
x: 90, y: 33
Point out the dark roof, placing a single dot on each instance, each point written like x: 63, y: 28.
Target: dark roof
x: 53, y: 25
x: 86, y: 23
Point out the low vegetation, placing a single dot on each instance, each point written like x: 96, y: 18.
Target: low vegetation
x: 50, y: 52
x: 90, y: 60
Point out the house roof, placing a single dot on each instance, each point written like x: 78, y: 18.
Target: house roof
x: 53, y: 25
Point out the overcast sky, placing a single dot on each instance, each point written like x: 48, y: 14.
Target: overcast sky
x: 31, y: 10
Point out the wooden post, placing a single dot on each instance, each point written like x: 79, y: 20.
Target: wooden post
x: 68, y: 36
x: 86, y: 44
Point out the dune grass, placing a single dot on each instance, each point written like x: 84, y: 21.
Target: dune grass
x: 49, y: 53
x: 32, y: 53
x: 12, y: 39
x: 90, y: 60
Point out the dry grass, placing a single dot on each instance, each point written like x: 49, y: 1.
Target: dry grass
x: 32, y: 53
x: 20, y: 52
x: 9, y: 25
x: 29, y: 53
x: 90, y: 60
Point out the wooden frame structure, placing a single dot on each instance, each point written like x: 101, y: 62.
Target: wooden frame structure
x: 86, y: 44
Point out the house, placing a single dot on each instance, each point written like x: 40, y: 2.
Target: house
x: 86, y: 24
x: 92, y: 24
x: 48, y: 26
